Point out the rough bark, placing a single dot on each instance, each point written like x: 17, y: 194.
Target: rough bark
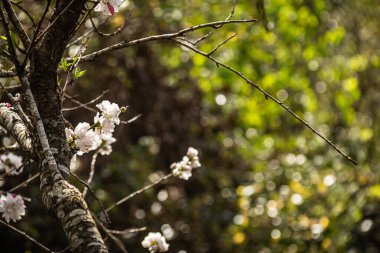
x: 44, y: 62
x: 68, y: 205
x: 15, y: 127
x: 62, y: 199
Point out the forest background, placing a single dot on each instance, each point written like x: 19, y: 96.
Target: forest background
x: 267, y: 183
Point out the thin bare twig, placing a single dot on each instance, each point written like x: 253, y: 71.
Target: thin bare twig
x: 94, y: 195
x: 202, y: 38
x: 266, y: 94
x: 232, y: 11
x: 12, y: 50
x: 139, y: 191
x: 87, y: 103
x: 221, y: 44
x: 86, y: 34
x: 110, y: 235
x: 131, y: 120
x: 126, y: 231
x: 24, y: 198
x: 92, y: 172
x: 80, y: 103
x: 102, y: 33
x: 17, y: 169
x: 80, y: 23
x: 33, y: 42
x: 26, y: 236
x: 16, y: 23
x: 180, y: 33
x: 53, y: 22
x: 18, y: 5
x: 25, y: 183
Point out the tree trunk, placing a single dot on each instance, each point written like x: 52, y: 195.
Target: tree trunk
x: 62, y: 199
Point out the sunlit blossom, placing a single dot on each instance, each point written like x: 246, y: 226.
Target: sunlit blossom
x: 189, y: 162
x: 110, y: 111
x: 108, y: 117
x: 182, y: 169
x: 155, y: 242
x: 83, y: 138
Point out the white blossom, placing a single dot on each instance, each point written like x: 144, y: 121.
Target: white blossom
x: 183, y: 169
x: 105, y: 127
x: 106, y: 148
x: 108, y: 7
x: 106, y: 120
x: 87, y: 139
x: 10, y: 163
x: 12, y: 207
x: 69, y: 135
x: 83, y: 138
x: 155, y: 242
x: 110, y: 111
x: 192, y: 154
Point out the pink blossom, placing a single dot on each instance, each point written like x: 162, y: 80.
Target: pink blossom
x: 108, y: 7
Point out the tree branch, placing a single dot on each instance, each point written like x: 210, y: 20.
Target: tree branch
x: 16, y: 23
x: 26, y: 236
x: 18, y: 5
x: 124, y: 44
x: 16, y: 128
x: 133, y: 194
x: 12, y: 50
x: 266, y: 94
x: 16, y: 104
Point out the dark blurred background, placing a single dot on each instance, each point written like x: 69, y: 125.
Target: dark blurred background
x: 267, y: 184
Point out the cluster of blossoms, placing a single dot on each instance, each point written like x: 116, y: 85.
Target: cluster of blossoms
x: 86, y: 137
x: 155, y: 242
x: 189, y: 162
x: 108, y: 7
x: 10, y: 163
x: 12, y: 207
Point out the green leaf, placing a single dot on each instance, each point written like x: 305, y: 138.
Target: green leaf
x: 64, y: 65
x: 78, y: 74
x: 75, y: 59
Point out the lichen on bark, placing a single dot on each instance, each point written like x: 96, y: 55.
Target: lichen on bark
x: 11, y: 122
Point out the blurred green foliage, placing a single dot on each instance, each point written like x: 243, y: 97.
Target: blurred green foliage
x: 267, y: 184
